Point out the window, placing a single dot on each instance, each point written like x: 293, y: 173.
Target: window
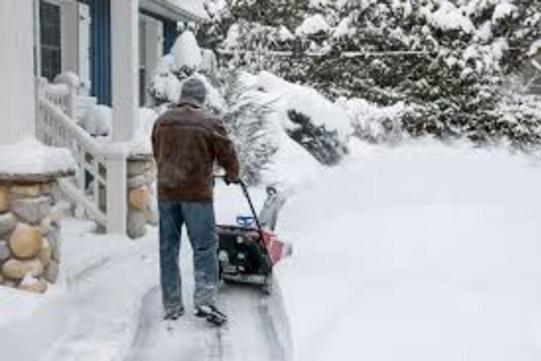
x: 142, y: 61
x: 50, y: 40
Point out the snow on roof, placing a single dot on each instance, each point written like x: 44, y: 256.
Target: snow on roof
x: 449, y: 17
x: 30, y: 157
x: 312, y: 25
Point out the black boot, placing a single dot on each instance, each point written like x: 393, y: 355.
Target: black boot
x: 211, y: 314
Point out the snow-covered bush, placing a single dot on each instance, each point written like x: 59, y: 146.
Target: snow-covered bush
x: 324, y: 145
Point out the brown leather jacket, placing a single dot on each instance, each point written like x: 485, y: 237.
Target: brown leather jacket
x: 186, y: 143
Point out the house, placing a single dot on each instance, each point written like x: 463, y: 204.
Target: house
x: 111, y: 46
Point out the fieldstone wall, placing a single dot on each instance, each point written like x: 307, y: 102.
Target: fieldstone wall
x: 142, y: 203
x: 29, y: 233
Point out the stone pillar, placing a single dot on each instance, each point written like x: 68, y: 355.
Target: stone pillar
x: 30, y: 250
x: 142, y: 203
x: 125, y: 68
x: 17, y: 94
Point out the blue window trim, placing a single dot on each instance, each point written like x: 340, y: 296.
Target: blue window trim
x: 100, y: 44
x: 170, y: 32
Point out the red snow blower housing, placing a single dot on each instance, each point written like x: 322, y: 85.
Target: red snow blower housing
x: 248, y: 251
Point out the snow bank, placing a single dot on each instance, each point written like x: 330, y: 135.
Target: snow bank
x: 29, y: 156
x: 30, y: 323
x: 422, y: 252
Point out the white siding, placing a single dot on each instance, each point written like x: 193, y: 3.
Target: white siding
x: 17, y: 92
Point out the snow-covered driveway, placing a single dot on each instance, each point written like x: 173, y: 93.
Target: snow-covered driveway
x: 418, y: 253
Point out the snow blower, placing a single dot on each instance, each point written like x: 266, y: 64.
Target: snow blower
x: 247, y: 252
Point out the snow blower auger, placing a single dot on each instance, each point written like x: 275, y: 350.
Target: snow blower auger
x: 246, y: 251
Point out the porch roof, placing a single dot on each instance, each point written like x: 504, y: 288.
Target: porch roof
x: 176, y: 10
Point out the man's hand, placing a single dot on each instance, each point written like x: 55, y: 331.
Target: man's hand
x: 231, y: 180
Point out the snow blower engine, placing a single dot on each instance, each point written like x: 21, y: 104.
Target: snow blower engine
x: 248, y: 250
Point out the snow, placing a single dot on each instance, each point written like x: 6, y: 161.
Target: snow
x: 344, y: 28
x: 312, y: 25
x: 284, y: 34
x: 503, y: 10
x: 232, y: 39
x: 323, y: 3
x: 369, y: 118
x: 186, y: 51
x: 449, y: 17
x: 29, y: 156
x: 68, y: 77
x: 215, y: 7
x: 141, y: 143
x: 167, y: 86
x: 292, y: 165
x: 98, y: 120
x: 418, y: 252
x: 305, y: 100
x: 535, y: 48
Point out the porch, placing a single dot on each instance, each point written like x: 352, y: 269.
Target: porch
x: 70, y: 54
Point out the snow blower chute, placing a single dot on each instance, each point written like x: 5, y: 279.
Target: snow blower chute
x: 248, y: 250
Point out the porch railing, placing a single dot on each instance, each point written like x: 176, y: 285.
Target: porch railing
x: 99, y: 185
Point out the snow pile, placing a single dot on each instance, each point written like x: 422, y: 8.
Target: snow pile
x: 186, y: 52
x: 306, y: 100
x: 98, y: 120
x: 29, y: 156
x: 142, y: 143
x: 449, y: 17
x: 312, y: 25
x: 417, y: 253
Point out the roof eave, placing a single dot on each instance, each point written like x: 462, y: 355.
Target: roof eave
x: 168, y: 10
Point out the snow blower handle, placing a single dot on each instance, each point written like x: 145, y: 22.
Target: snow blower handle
x: 244, y: 189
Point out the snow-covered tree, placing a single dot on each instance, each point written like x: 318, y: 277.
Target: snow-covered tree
x: 448, y: 60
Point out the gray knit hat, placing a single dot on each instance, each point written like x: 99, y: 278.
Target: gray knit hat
x: 193, y: 92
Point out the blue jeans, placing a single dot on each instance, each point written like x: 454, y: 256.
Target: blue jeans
x: 200, y: 224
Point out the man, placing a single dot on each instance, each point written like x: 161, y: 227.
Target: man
x: 187, y: 142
